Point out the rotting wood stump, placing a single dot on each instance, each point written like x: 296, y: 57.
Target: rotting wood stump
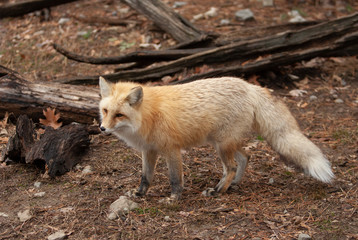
x: 58, y: 149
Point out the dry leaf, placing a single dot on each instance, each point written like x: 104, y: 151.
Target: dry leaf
x: 51, y: 118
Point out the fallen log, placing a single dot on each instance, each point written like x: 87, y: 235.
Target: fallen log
x: 138, y: 56
x: 76, y: 103
x: 324, y: 34
x: 166, y: 19
x: 343, y: 47
x: 21, y: 8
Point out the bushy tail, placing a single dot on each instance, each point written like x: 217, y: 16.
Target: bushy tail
x: 277, y: 125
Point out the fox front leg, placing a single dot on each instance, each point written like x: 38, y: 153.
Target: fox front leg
x: 149, y: 159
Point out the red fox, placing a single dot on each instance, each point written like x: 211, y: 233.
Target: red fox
x: 221, y: 111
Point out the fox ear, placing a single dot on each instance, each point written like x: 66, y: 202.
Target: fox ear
x: 105, y: 87
x: 135, y: 96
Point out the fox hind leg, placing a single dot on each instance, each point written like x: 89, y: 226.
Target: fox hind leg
x: 227, y: 155
x: 241, y: 160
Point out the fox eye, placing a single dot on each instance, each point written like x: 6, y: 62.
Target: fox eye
x: 105, y: 110
x: 118, y: 115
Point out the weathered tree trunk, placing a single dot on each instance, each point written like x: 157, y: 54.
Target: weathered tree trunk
x: 59, y: 149
x: 76, y: 103
x: 166, y: 19
x: 21, y: 8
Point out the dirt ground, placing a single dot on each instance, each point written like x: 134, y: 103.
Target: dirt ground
x: 273, y: 201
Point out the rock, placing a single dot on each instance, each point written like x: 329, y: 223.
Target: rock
x: 82, y: 33
x: 179, y: 4
x: 224, y: 22
x: 63, y: 20
x: 313, y: 98
x: 297, y: 92
x: 66, y: 209
x: 87, y: 170
x: 39, y: 194
x: 166, y: 218
x: 244, y: 15
x: 121, y: 206
x: 24, y: 215
x: 3, y: 214
x: 271, y: 181
x: 338, y: 100
x: 57, y: 236
x: 211, y: 13
x: 304, y: 236
x: 37, y: 184
x: 296, y: 17
x: 267, y: 3
x: 198, y: 16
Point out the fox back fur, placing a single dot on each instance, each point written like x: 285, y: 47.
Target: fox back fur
x: 221, y: 111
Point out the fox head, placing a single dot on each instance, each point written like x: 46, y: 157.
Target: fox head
x: 119, y: 106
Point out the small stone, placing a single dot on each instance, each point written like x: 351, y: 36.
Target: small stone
x: 123, y: 10
x: 166, y: 218
x: 244, y: 15
x: 87, y: 170
x: 304, y: 236
x: 179, y: 4
x: 267, y: 3
x: 121, y: 206
x: 211, y: 13
x: 39, y: 194
x: 338, y: 100
x: 57, y: 236
x: 82, y: 33
x: 198, y: 16
x: 297, y: 92
x: 37, y: 184
x: 3, y: 214
x: 66, y: 209
x: 224, y: 22
x: 313, y: 98
x: 296, y: 17
x: 24, y: 215
x: 63, y: 20
x: 271, y: 181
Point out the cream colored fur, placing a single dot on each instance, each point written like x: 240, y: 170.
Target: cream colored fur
x: 220, y: 111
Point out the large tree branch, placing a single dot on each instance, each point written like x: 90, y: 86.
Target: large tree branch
x: 166, y: 19
x: 21, y: 8
x: 324, y: 34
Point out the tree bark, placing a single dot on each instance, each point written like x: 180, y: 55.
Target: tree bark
x: 324, y: 34
x: 166, y: 19
x: 75, y: 103
x: 59, y: 149
x: 21, y: 8
x: 139, y: 56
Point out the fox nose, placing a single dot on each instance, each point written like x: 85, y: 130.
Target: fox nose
x: 102, y: 128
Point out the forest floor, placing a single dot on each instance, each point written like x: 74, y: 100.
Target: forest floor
x: 273, y: 201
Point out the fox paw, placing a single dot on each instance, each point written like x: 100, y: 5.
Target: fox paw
x: 209, y: 192
x: 170, y: 200
x: 133, y: 193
